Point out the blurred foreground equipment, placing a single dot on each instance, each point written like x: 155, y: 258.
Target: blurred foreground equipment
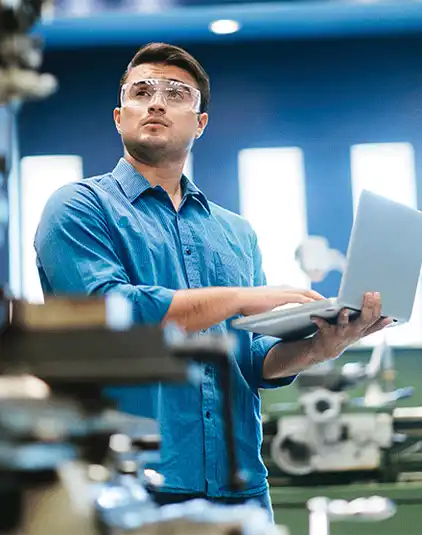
x: 70, y: 463
x: 20, y: 80
x: 21, y: 53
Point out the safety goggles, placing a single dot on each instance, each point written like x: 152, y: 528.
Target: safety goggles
x: 175, y: 94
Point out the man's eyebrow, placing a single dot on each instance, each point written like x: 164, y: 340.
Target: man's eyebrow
x: 180, y: 81
x: 169, y: 79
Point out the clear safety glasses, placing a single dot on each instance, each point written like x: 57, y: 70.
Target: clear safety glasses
x: 175, y: 94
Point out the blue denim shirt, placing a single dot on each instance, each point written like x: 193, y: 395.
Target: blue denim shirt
x: 117, y: 232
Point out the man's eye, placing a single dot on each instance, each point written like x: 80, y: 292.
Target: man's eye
x: 175, y: 94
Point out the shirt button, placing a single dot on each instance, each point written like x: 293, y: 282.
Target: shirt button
x: 188, y: 251
x: 208, y: 415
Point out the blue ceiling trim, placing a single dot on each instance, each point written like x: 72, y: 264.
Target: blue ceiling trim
x: 258, y: 21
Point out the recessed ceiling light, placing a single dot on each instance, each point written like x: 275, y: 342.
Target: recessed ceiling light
x: 224, y: 26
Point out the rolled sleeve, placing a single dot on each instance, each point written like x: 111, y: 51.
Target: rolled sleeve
x: 261, y: 345
x: 153, y: 303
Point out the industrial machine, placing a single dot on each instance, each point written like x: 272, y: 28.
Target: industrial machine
x: 329, y: 437
x: 351, y: 434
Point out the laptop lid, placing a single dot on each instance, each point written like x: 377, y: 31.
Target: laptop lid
x: 384, y: 255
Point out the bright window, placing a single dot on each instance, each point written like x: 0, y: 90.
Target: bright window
x: 272, y: 198
x: 40, y: 177
x: 389, y: 169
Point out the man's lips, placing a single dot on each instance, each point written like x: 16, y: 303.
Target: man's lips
x: 155, y: 122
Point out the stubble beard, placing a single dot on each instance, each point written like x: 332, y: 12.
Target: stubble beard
x: 155, y: 151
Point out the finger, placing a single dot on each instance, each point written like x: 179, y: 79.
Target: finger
x: 314, y: 295
x: 377, y: 305
x: 320, y: 323
x: 367, y: 313
x: 379, y: 325
x: 295, y: 298
x: 343, y: 319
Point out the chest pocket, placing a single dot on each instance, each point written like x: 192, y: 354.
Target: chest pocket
x: 232, y: 270
x: 144, y: 251
x: 131, y: 232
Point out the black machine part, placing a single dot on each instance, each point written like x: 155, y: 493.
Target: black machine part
x: 74, y: 421
x: 92, y: 356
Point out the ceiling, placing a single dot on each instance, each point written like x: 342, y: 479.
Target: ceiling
x: 76, y: 23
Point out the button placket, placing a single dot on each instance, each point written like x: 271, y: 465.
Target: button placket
x: 189, y: 252
x: 192, y: 264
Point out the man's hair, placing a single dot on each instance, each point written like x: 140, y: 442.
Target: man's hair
x: 165, y: 54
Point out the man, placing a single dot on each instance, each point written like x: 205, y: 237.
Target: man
x: 146, y: 231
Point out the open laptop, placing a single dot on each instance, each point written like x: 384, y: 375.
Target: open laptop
x: 384, y: 255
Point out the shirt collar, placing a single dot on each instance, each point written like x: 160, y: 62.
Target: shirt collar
x: 189, y: 188
x: 134, y: 184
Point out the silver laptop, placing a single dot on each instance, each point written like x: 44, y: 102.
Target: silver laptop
x: 384, y: 255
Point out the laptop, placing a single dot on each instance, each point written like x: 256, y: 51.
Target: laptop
x: 384, y: 255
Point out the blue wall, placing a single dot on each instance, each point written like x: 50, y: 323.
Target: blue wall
x: 322, y: 96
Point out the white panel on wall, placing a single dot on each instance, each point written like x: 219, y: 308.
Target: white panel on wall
x: 389, y: 170
x: 384, y: 168
x: 41, y: 176
x: 272, y: 198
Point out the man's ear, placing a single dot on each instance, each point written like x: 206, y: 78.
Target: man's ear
x: 116, y: 116
x: 202, y: 124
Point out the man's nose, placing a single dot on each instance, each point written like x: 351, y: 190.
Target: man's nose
x: 157, y: 103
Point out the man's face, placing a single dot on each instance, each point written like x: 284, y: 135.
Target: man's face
x: 157, y: 132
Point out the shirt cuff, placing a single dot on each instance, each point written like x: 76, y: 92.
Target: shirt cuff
x: 153, y: 304
x: 261, y: 345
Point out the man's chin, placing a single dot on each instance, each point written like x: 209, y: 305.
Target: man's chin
x: 151, y: 151
x: 153, y: 141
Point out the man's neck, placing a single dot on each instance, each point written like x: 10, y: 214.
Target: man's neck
x: 166, y: 176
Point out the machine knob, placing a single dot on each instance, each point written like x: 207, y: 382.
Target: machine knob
x: 292, y: 454
x: 322, y: 406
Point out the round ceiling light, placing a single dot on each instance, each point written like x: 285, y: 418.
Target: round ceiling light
x: 224, y: 26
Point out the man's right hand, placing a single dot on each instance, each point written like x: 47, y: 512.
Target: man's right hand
x: 200, y: 308
x: 264, y: 298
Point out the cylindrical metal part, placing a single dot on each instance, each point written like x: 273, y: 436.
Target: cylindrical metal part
x: 319, y: 523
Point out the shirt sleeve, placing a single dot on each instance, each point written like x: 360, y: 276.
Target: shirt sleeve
x: 261, y: 344
x: 76, y: 254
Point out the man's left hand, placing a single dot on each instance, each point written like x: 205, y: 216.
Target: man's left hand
x: 331, y: 340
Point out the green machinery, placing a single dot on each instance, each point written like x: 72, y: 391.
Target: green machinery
x: 353, y: 431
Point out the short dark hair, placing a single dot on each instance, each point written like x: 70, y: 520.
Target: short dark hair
x: 172, y: 55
